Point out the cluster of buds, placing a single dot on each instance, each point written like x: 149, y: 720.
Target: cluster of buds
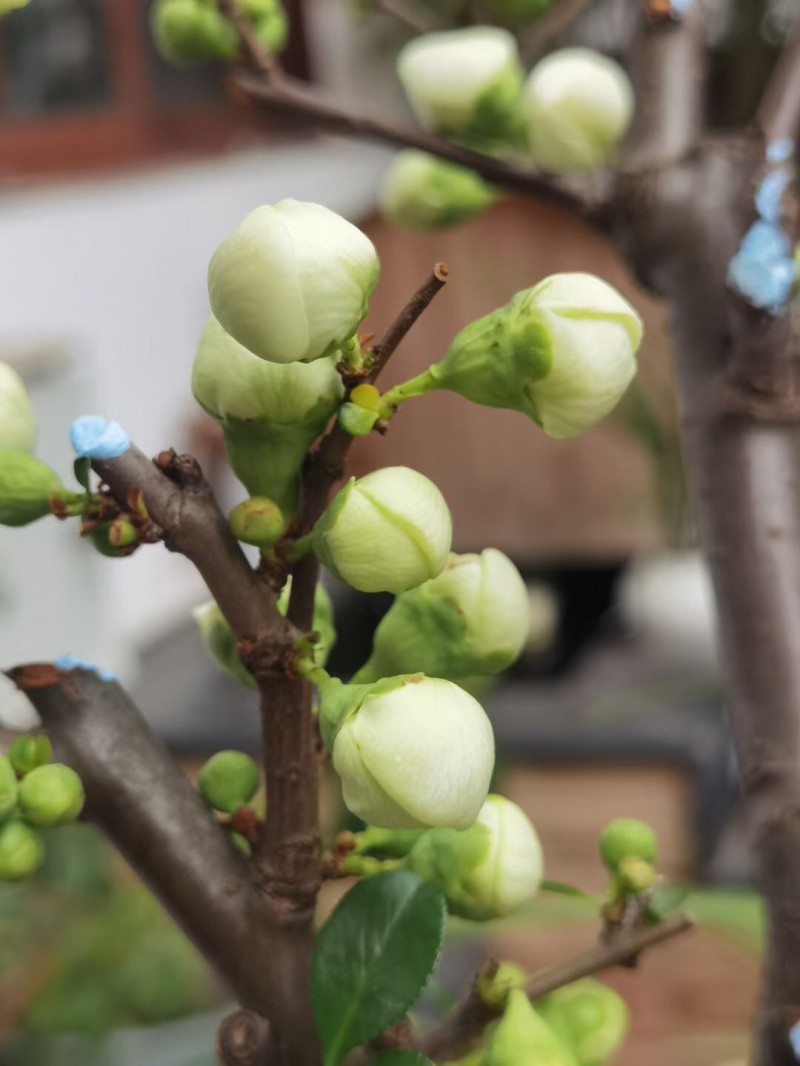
x: 35, y: 794
x: 194, y: 31
x: 629, y: 850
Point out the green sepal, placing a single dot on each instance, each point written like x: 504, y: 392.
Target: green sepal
x: 393, y: 843
x: 588, y: 1016
x: 26, y: 488
x: 338, y: 701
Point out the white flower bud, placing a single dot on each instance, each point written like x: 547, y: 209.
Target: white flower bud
x: 385, y: 532
x: 423, y: 193
x: 464, y: 83
x: 17, y: 424
x: 578, y: 106
x: 562, y: 353
x: 293, y: 281
x: 411, y: 751
x: 473, y: 618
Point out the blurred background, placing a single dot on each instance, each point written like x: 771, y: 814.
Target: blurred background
x: 119, y: 174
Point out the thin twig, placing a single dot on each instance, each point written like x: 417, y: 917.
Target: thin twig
x: 410, y: 16
x: 557, y: 21
x: 256, y: 54
x: 779, y: 110
x: 459, y: 1033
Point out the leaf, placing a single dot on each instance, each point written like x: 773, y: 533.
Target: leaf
x: 737, y: 915
x: 560, y: 888
x: 373, y: 957
x: 83, y: 469
x: 664, y: 900
x: 401, y: 1058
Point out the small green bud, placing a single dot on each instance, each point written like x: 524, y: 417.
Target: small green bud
x: 385, y: 532
x: 473, y: 618
x: 464, y: 83
x: 523, y: 1036
x: 425, y: 194
x: 122, y: 533
x: 494, y: 990
x: 21, y: 851
x: 109, y: 538
x: 228, y: 781
x: 29, y: 752
x: 627, y: 838
x: 272, y: 28
x: 51, y: 795
x: 292, y: 282
x: 635, y: 875
x: 17, y: 423
x: 8, y: 788
x: 26, y: 488
x: 562, y: 353
x: 192, y: 31
x: 488, y: 871
x: 257, y: 521
x: 588, y: 1016
x: 578, y: 106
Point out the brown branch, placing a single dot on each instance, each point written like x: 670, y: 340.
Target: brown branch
x: 460, y: 1032
x: 552, y: 24
x: 255, y: 54
x: 292, y: 99
x: 242, y: 1039
x: 779, y: 111
x: 410, y: 17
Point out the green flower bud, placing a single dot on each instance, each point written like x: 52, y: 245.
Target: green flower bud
x: 221, y: 644
x: 26, y: 488
x: 423, y: 193
x: 270, y: 414
x: 562, y: 353
x: 635, y: 875
x: 272, y: 28
x: 116, y: 539
x: 257, y: 521
x: 385, y: 532
x: 122, y: 533
x: 578, y: 106
x: 494, y: 990
x: 411, y: 751
x: 8, y: 788
x: 627, y: 838
x: 192, y: 31
x: 29, y: 752
x: 17, y: 423
x: 473, y: 618
x: 522, y: 1036
x: 51, y: 795
x: 589, y: 1017
x: 292, y: 282
x: 228, y: 781
x: 21, y: 851
x: 489, y: 870
x: 464, y: 83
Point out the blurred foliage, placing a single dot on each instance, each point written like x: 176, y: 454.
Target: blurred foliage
x: 85, y: 950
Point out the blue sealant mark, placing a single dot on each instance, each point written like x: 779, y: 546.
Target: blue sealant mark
x: 794, y: 1040
x: 94, y: 437
x: 69, y: 662
x: 770, y: 193
x: 763, y: 269
x: 680, y: 7
x: 780, y: 150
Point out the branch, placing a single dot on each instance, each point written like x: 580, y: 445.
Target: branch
x: 459, y: 1033
x: 551, y: 25
x: 410, y: 17
x: 242, y: 1039
x: 779, y: 112
x: 255, y: 54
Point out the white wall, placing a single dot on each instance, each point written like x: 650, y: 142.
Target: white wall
x: 116, y: 270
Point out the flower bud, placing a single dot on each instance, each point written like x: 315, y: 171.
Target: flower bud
x: 423, y: 193
x: 489, y: 870
x: 464, y: 83
x: 627, y: 838
x: 563, y: 353
x: 228, y: 781
x: 269, y: 22
x: 8, y: 788
x: 523, y: 1036
x: 26, y: 488
x: 578, y: 106
x: 495, y: 988
x: 192, y: 31
x: 116, y: 539
x: 292, y: 282
x: 17, y: 424
x: 257, y: 521
x: 21, y: 851
x: 221, y: 643
x: 635, y: 875
x: 471, y: 619
x: 51, y: 795
x: 29, y: 752
x: 589, y: 1017
x: 385, y: 532
x: 411, y: 751
x: 270, y: 414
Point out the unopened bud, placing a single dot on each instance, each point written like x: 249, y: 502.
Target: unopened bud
x: 635, y: 875
x: 228, y: 781
x: 627, y: 838
x: 589, y: 1017
x: 26, y: 488
x: 523, y: 1036
x: 495, y: 988
x: 8, y: 788
x: 51, y: 795
x: 257, y: 521
x: 21, y: 851
x: 425, y: 194
x: 29, y: 752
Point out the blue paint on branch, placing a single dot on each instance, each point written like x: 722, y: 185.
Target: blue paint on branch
x: 763, y: 269
x: 680, y: 7
x: 794, y: 1040
x: 780, y: 150
x: 95, y: 437
x: 69, y: 662
x: 770, y: 192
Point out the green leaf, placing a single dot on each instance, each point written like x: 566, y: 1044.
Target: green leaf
x: 560, y: 888
x: 373, y: 957
x: 83, y: 470
x: 664, y: 900
x: 401, y: 1058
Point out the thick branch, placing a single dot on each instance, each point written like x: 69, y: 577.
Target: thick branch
x: 459, y: 1033
x: 779, y: 111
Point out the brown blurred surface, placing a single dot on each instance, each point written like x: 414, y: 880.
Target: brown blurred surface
x: 508, y: 484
